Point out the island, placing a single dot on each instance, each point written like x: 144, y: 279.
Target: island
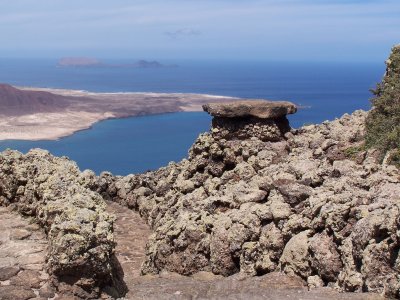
x: 78, y: 62
x: 29, y: 113
x: 90, y: 62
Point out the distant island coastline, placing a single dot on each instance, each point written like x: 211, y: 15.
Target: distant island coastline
x: 30, y: 113
x: 90, y: 62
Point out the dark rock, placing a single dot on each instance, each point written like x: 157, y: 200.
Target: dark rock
x: 10, y: 292
x: 27, y: 278
x: 252, y: 108
x: 246, y: 128
x: 8, y: 272
x: 325, y: 258
x: 292, y: 191
x: 47, y: 291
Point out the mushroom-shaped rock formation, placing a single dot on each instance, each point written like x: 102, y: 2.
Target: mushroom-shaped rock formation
x: 261, y: 109
x: 241, y: 120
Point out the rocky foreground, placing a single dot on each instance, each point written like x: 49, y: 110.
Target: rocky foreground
x: 255, y: 199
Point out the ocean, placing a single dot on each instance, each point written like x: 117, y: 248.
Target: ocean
x: 324, y: 91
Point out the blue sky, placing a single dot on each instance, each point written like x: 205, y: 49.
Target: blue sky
x: 303, y: 30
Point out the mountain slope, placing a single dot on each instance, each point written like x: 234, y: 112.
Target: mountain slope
x: 21, y: 102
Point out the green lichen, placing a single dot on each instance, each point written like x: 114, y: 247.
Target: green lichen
x: 352, y: 152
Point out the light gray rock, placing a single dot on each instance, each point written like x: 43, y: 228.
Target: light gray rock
x: 253, y: 197
x: 56, y: 195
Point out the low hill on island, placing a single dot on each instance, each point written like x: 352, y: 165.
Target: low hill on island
x: 40, y: 113
x: 15, y: 102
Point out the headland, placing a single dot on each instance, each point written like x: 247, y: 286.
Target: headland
x: 29, y: 113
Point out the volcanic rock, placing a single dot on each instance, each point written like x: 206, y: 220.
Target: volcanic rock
x: 251, y: 108
x: 254, y: 199
x: 79, y: 231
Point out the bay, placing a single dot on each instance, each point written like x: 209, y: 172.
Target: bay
x: 125, y: 146
x: 324, y: 91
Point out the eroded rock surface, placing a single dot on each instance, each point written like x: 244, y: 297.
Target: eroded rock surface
x: 79, y: 231
x: 132, y: 233
x: 261, y: 109
x: 310, y: 202
x: 281, y: 210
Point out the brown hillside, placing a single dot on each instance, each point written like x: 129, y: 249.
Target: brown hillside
x: 20, y: 102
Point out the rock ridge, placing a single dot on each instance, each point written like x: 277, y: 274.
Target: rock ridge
x: 254, y: 197
x: 309, y: 202
x: 79, y: 231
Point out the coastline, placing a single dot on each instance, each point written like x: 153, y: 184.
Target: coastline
x: 83, y: 93
x: 86, y: 108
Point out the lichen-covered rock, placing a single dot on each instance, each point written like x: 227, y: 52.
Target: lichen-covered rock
x: 79, y: 231
x: 295, y: 256
x: 253, y: 202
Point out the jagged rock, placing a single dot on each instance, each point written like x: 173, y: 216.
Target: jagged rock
x: 246, y: 128
x: 79, y: 231
x: 253, y: 197
x: 263, y: 202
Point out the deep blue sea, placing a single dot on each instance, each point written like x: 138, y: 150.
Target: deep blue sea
x: 132, y: 145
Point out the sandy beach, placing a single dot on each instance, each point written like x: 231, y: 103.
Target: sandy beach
x: 85, y: 108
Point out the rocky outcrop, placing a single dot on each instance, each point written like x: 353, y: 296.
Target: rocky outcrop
x: 243, y: 120
x: 261, y: 109
x: 255, y: 197
x: 79, y: 231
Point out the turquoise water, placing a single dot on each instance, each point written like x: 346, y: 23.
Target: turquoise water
x: 326, y: 90
x: 124, y: 146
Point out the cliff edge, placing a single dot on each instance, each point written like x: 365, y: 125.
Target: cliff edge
x: 255, y: 197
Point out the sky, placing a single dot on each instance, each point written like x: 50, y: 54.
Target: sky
x: 267, y: 30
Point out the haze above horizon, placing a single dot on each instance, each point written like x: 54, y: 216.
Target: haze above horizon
x: 293, y: 30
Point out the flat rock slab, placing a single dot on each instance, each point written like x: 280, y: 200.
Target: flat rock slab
x: 261, y: 109
x: 23, y: 249
x: 131, y: 234
x: 273, y: 286
x: 11, y: 292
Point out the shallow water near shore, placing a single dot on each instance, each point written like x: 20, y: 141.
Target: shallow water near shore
x: 134, y: 145
x: 129, y: 145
